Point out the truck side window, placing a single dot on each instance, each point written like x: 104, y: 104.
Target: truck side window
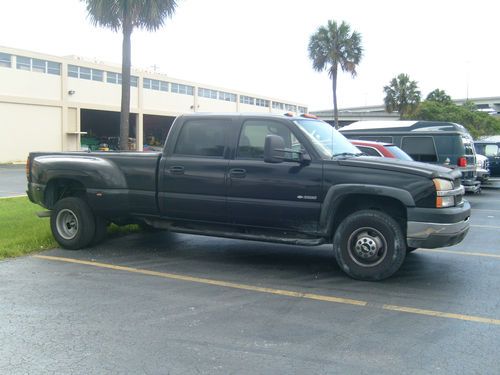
x: 253, y: 135
x: 202, y: 138
x: 420, y: 148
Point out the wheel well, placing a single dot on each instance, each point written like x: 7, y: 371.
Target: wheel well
x: 356, y: 202
x: 62, y: 188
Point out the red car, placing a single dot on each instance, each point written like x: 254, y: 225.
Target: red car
x: 386, y: 150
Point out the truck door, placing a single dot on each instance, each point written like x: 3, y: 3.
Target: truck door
x: 283, y: 195
x: 192, y: 181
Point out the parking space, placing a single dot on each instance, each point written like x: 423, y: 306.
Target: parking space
x: 12, y: 180
x: 158, y: 303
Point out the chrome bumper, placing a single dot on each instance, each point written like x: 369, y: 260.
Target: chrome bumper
x: 431, y: 235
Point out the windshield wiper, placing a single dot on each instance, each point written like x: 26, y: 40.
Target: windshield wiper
x: 346, y: 154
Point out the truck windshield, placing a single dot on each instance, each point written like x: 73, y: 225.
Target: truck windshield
x: 327, y: 141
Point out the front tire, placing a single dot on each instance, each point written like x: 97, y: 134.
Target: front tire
x: 72, y: 223
x: 369, y: 245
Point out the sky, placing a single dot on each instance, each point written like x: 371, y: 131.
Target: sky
x: 260, y: 46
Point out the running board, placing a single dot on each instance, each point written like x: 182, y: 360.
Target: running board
x: 289, y: 238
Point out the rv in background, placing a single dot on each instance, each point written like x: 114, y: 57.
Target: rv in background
x: 434, y: 142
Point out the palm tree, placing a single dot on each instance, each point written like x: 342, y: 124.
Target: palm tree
x: 333, y: 45
x: 439, y: 96
x: 127, y: 15
x: 401, y: 95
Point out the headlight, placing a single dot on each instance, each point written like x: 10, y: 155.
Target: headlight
x: 445, y: 196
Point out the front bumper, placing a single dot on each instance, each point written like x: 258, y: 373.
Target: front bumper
x: 471, y: 186
x: 432, y: 227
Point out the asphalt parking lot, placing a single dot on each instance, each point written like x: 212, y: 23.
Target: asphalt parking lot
x: 170, y: 303
x: 12, y: 180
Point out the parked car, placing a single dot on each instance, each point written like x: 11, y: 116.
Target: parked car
x: 380, y: 149
x: 483, y: 170
x: 291, y: 180
x: 436, y: 142
x: 490, y: 149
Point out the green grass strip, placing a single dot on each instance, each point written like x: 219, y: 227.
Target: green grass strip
x: 22, y: 232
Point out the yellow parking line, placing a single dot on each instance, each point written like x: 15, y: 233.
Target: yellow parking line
x: 281, y: 292
x: 468, y: 253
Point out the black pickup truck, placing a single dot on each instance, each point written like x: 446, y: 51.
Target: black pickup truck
x: 274, y: 178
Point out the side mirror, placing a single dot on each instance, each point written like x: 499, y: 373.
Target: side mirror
x: 275, y: 151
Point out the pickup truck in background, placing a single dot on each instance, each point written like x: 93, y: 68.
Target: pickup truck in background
x: 284, y: 179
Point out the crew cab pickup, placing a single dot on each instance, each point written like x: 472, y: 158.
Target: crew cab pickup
x: 274, y: 178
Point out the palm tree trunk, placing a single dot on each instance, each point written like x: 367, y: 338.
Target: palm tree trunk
x: 335, y: 109
x: 126, y: 64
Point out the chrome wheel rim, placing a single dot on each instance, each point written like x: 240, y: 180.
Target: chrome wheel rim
x: 67, y: 224
x: 367, y: 247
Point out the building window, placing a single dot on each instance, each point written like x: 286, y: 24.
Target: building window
x: 262, y: 102
x: 278, y: 105
x: 39, y: 66
x: 72, y: 71
x: 302, y: 110
x: 85, y: 73
x: 182, y: 89
x: 116, y: 78
x: 247, y: 99
x: 291, y: 107
x: 97, y: 75
x: 23, y: 63
x: 207, y: 93
x: 227, y: 96
x: 154, y: 84
x: 112, y: 77
x: 34, y: 65
x: 53, y: 68
x: 5, y: 60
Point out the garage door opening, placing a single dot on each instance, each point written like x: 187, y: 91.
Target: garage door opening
x: 155, y: 130
x: 103, y: 130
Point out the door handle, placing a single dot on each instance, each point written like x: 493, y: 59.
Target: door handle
x: 238, y: 172
x: 176, y: 169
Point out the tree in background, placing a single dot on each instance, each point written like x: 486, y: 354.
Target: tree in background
x: 477, y: 123
x: 126, y: 15
x: 439, y: 96
x: 401, y: 95
x: 332, y: 46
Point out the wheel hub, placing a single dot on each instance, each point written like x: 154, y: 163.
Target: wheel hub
x: 367, y: 247
x: 67, y: 224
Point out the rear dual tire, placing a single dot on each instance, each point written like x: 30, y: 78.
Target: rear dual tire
x: 74, y: 225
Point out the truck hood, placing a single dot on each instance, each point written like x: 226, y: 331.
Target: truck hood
x: 396, y: 165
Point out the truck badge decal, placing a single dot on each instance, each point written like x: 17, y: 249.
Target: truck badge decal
x: 307, y: 197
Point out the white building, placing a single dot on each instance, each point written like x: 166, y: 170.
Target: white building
x: 50, y: 103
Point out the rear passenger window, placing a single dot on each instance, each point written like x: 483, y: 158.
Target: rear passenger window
x: 420, y: 148
x: 202, y: 138
x: 253, y: 137
x: 370, y: 151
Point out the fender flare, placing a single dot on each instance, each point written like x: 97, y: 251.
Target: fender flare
x: 336, y: 194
